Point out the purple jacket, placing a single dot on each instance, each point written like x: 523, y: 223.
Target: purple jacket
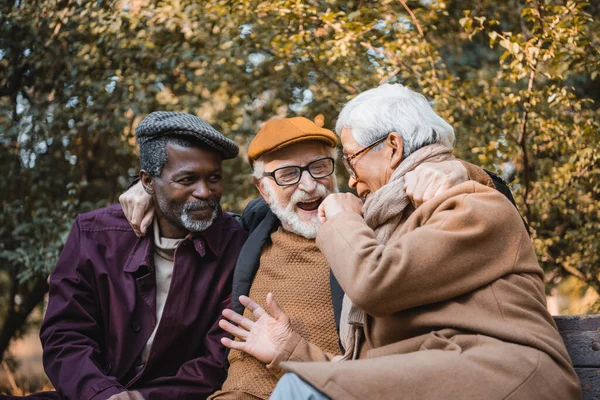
x: 102, y: 311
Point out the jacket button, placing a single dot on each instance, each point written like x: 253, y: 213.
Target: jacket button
x: 107, y: 369
x: 135, y: 326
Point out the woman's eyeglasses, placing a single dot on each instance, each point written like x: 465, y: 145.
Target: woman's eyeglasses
x: 349, y: 158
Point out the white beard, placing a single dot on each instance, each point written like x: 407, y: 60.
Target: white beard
x: 182, y: 216
x: 195, y: 225
x: 287, y: 214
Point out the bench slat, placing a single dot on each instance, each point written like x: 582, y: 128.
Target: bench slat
x: 584, y: 322
x: 581, y: 334
x: 590, y: 382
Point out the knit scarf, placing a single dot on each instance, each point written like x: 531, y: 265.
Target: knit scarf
x: 383, y: 212
x: 384, y: 209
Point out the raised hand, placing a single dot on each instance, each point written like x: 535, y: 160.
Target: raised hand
x: 430, y: 179
x: 262, y: 338
x: 338, y: 202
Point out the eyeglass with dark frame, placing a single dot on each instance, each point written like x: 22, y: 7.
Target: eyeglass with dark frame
x: 349, y: 158
x: 287, y: 176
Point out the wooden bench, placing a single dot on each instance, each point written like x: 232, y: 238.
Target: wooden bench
x: 581, y: 334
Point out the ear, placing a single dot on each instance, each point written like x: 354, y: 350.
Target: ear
x: 261, y: 188
x: 395, y: 142
x: 147, y: 182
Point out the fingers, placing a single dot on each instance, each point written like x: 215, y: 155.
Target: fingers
x: 148, y: 217
x: 410, y: 182
x: 430, y: 179
x: 238, y: 319
x: 429, y: 191
x: 274, y: 309
x: 445, y: 186
x: 321, y: 212
x: 125, y: 204
x: 339, y: 202
x: 251, y: 305
x: 136, y: 218
x: 233, y: 329
x: 138, y: 208
x: 232, y: 344
x: 423, y: 183
x: 353, y: 203
x: 412, y: 189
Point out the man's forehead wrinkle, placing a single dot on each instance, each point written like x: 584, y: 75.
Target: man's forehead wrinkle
x: 183, y: 171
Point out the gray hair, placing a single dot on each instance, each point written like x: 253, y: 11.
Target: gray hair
x: 394, y: 108
x: 153, y: 153
x: 258, y: 168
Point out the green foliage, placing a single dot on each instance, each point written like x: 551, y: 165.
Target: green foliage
x: 517, y: 79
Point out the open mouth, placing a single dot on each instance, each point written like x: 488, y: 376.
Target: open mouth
x: 309, y: 205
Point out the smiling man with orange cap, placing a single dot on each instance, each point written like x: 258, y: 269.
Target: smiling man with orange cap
x: 293, y: 169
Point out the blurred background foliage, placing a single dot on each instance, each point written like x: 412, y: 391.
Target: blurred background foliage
x: 517, y: 79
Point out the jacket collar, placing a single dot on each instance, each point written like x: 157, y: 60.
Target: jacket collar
x: 249, y: 259
x: 212, y: 237
x: 142, y: 253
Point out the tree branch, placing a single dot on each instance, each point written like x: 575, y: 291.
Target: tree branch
x: 347, y: 89
x: 523, y: 145
x: 573, y: 179
x: 422, y: 35
x: 15, y: 321
x: 588, y: 280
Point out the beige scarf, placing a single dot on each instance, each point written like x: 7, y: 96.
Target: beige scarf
x: 383, y: 212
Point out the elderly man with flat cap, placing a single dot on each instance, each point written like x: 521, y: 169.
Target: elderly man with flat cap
x: 131, y: 317
x: 293, y: 169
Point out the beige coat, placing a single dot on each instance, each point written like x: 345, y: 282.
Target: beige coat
x: 455, y: 307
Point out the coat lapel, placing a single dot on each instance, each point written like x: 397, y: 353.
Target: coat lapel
x: 249, y: 259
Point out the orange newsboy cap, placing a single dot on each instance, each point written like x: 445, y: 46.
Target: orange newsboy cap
x: 278, y: 133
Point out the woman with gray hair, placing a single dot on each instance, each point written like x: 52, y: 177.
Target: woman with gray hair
x: 445, y: 301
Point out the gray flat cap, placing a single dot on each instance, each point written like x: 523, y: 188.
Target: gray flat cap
x: 163, y: 123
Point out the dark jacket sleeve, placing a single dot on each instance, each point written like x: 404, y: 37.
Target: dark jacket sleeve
x: 501, y: 186
x: 70, y: 333
x: 254, y: 213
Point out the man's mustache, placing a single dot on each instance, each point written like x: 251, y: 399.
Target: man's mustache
x: 200, y: 205
x: 300, y: 195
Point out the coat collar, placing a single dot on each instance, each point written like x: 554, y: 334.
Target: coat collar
x: 249, y: 259
x: 142, y: 253
x: 212, y: 237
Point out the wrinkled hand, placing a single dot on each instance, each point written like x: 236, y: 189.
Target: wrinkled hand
x: 338, y: 202
x: 138, y: 208
x: 430, y: 179
x: 262, y: 338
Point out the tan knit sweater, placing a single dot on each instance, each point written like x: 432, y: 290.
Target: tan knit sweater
x: 297, y: 274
